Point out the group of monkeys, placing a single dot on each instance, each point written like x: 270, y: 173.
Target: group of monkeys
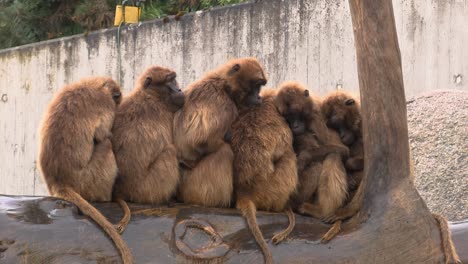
x: 221, y: 142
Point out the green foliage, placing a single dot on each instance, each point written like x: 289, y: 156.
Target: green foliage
x: 27, y: 21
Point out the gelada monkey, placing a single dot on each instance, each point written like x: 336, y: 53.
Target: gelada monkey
x: 75, y: 153
x: 202, y: 127
x: 322, y: 177
x: 143, y: 143
x: 265, y: 173
x: 342, y: 112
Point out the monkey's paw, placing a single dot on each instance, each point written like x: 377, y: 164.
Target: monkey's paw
x: 278, y: 238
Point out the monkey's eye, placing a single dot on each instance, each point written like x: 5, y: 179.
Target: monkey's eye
x: 349, y: 102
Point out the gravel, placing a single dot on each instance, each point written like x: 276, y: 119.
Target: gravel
x: 438, y: 133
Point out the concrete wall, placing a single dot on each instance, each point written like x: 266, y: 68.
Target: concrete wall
x: 306, y: 40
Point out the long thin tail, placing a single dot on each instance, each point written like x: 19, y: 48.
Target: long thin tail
x: 87, y: 209
x: 249, y: 211
x: 332, y: 232
x: 122, y: 225
x: 450, y: 253
x: 285, y: 233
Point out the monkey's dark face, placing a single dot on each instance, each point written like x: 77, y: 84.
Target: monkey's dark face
x: 340, y: 120
x: 297, y: 123
x: 253, y: 98
x: 250, y: 78
x: 165, y: 84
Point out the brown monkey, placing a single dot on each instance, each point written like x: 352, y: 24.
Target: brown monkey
x: 342, y: 112
x: 201, y: 129
x: 322, y: 177
x: 265, y: 173
x: 75, y: 153
x: 143, y: 143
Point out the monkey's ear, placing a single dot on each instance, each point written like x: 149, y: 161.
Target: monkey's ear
x: 234, y: 69
x: 148, y: 81
x: 306, y: 93
x: 349, y: 102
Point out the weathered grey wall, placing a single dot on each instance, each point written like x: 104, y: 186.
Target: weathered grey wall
x: 306, y: 40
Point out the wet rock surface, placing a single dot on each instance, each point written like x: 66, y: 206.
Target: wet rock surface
x: 438, y: 133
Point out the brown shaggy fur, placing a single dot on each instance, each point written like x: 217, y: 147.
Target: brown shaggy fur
x: 203, y: 124
x: 265, y: 173
x: 322, y: 180
x: 343, y: 114
x: 75, y: 153
x: 143, y: 142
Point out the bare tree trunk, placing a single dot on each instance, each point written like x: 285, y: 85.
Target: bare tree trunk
x: 399, y: 228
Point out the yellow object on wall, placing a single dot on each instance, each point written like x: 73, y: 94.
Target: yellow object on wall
x: 132, y: 14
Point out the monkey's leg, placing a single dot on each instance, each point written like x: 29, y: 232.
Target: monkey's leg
x: 313, y: 210
x: 122, y: 225
x: 210, y: 182
x: 450, y: 253
x: 70, y: 195
x: 285, y: 233
x: 332, y: 232
x: 249, y: 211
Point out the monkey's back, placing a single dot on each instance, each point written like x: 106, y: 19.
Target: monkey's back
x: 207, y: 114
x: 264, y: 164
x: 67, y: 141
x: 142, y: 131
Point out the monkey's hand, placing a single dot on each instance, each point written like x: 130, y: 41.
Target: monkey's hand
x: 101, y: 134
x: 355, y: 164
x: 303, y: 160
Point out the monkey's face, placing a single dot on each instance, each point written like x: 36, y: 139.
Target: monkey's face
x: 249, y: 77
x: 341, y: 116
x: 297, y: 123
x: 162, y: 82
x: 296, y: 106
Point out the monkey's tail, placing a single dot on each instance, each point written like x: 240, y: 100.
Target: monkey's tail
x: 285, y: 233
x: 450, y: 253
x: 249, y: 211
x: 332, y: 232
x: 87, y: 209
x: 122, y: 225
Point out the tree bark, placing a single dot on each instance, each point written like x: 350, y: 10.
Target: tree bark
x: 399, y: 226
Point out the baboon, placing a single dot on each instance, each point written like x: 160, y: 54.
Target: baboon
x: 202, y: 130
x: 143, y: 143
x: 342, y: 112
x: 75, y: 153
x: 265, y: 173
x: 322, y: 178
